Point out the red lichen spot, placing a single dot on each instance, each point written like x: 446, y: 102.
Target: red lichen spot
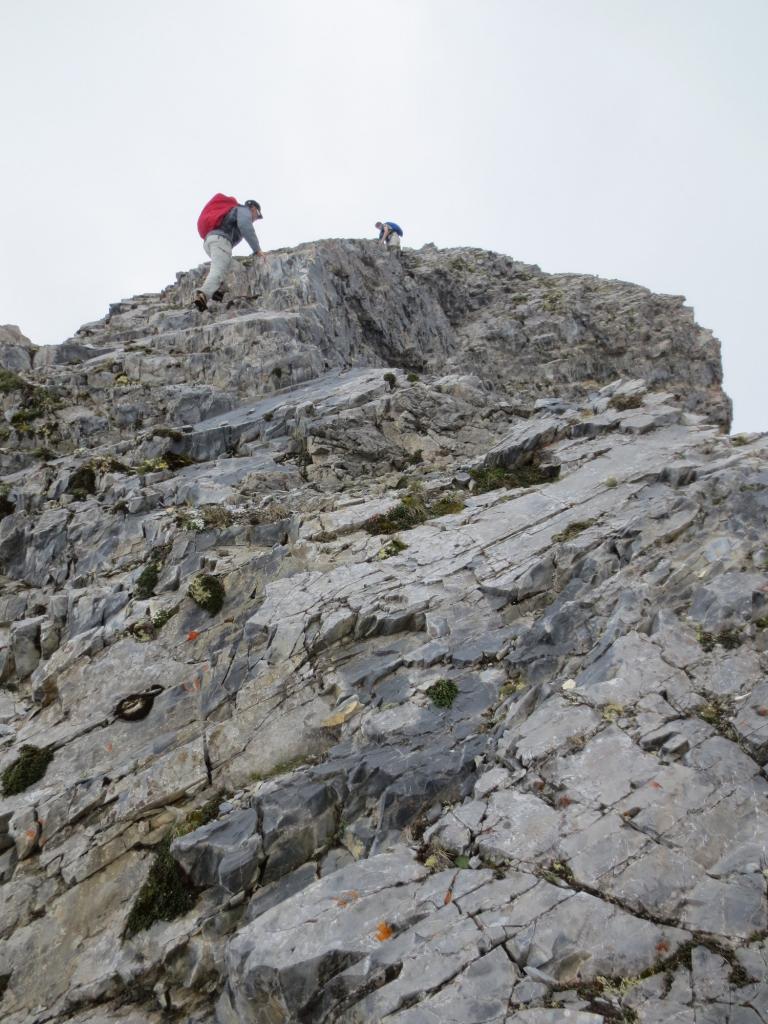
x: 662, y: 947
x: 763, y: 712
x: 655, y: 785
x: 31, y: 833
x: 108, y: 746
x: 193, y: 634
x: 383, y: 932
x: 564, y: 801
x: 448, y: 898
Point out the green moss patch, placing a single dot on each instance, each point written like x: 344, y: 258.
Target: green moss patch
x: 391, y: 379
x: 166, y: 894
x: 207, y: 592
x: 443, y: 693
x: 147, y: 581
x: 28, y: 768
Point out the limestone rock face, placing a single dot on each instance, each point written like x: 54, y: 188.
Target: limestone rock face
x: 389, y: 644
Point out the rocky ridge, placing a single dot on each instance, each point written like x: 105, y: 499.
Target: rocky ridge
x: 388, y: 645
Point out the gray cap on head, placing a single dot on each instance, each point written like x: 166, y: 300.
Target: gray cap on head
x: 252, y: 202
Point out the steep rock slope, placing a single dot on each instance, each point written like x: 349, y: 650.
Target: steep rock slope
x: 424, y: 679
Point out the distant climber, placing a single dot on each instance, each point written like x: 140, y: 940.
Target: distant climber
x: 222, y: 225
x: 390, y: 234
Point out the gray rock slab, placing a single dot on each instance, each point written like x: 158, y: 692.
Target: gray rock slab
x: 518, y: 827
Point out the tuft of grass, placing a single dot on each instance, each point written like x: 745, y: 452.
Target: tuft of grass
x: 443, y: 693
x: 413, y: 378
x: 413, y: 510
x: 207, y: 592
x: 391, y: 379
x: 573, y: 530
x: 28, y: 768
x: 739, y: 440
x: 623, y: 402
x: 492, y: 478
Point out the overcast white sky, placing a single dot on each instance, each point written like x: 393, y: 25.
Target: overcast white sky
x: 625, y: 138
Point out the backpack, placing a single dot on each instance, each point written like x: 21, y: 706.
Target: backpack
x: 214, y: 212
x: 395, y: 227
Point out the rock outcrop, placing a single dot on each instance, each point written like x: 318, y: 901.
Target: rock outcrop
x: 390, y: 645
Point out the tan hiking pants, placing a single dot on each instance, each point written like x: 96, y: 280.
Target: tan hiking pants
x: 219, y: 249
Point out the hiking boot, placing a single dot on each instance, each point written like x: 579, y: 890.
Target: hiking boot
x: 200, y: 301
x: 218, y: 295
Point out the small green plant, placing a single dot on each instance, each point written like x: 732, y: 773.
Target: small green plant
x: 207, y: 517
x: 559, y: 870
x: 160, y: 618
x: 413, y: 378
x: 417, y: 457
x: 207, y: 592
x: 623, y: 402
x: 158, y: 465
x: 717, y: 712
x: 393, y: 547
x: 147, y: 581
x: 516, y: 685
x: 28, y: 768
x: 11, y: 382
x: 143, y: 630
x: 611, y: 481
x: 739, y: 440
x: 611, y: 712
x: 443, y: 693
x: 573, y: 530
x: 391, y: 379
